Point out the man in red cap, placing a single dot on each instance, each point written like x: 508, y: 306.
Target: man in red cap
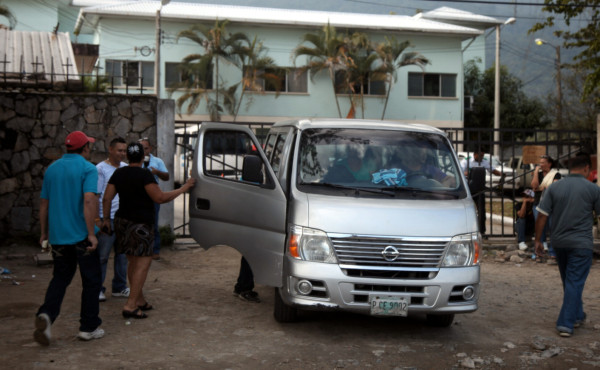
x: 67, y: 212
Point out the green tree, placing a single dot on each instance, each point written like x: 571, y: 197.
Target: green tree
x: 256, y: 69
x: 198, y: 68
x: 6, y: 13
x: 393, y: 57
x: 586, y: 39
x: 578, y: 113
x: 361, y: 66
x: 516, y: 109
x: 326, y: 51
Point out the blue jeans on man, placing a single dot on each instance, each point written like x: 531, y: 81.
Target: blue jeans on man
x: 574, y: 266
x: 66, y: 259
x: 105, y: 246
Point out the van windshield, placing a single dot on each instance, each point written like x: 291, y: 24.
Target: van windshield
x: 394, y: 162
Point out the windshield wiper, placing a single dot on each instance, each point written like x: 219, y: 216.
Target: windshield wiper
x: 420, y: 190
x: 355, y: 188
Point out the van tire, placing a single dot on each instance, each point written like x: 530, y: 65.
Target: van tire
x: 283, y: 312
x: 440, y: 321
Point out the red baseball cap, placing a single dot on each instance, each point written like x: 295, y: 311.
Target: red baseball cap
x: 77, y: 139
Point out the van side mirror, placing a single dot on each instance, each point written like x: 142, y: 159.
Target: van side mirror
x: 252, y: 169
x: 477, y: 179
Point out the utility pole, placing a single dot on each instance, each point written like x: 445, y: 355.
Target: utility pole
x: 157, y: 50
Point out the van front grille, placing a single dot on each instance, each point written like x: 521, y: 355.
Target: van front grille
x: 374, y: 253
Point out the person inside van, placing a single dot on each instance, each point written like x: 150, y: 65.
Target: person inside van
x: 416, y: 163
x: 354, y: 167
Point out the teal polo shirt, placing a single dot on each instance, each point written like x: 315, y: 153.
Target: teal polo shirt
x: 571, y: 202
x: 65, y: 182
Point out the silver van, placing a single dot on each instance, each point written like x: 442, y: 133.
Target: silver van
x: 372, y: 217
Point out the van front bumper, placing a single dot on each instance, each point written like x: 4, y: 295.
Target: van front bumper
x: 331, y: 288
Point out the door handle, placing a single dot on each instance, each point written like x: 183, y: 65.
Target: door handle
x: 203, y: 204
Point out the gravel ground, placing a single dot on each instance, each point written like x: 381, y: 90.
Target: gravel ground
x: 198, y: 323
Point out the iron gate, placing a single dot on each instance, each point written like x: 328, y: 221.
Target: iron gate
x: 500, y: 198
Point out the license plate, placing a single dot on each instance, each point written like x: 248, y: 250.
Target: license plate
x: 388, y: 305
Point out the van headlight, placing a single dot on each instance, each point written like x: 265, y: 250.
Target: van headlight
x: 310, y: 245
x: 463, y: 250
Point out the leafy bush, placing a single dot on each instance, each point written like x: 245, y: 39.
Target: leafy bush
x: 167, y: 236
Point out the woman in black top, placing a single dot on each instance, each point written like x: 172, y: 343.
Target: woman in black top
x: 134, y: 222
x: 543, y: 175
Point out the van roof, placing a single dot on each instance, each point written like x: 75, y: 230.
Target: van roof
x: 358, y: 123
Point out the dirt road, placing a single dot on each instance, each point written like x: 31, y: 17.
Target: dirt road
x: 197, y: 323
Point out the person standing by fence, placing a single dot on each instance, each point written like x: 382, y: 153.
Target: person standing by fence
x: 544, y: 175
x: 116, y: 155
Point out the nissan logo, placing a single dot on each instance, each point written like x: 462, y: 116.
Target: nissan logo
x: 390, y: 253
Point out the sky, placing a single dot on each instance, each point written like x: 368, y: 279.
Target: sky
x: 533, y: 64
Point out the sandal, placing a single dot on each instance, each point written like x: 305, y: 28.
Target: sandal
x: 135, y: 314
x: 146, y: 307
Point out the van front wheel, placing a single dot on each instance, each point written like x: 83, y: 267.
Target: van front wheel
x: 440, y: 321
x: 281, y: 311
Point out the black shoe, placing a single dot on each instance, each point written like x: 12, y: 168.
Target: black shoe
x: 248, y: 296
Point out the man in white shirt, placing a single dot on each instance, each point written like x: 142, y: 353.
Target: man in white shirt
x: 116, y: 154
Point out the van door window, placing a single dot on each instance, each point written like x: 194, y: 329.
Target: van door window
x: 224, y: 152
x: 269, y: 145
x: 278, y: 153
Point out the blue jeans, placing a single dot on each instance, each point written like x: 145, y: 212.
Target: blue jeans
x: 156, y: 249
x: 105, y: 245
x: 245, y: 281
x: 66, y: 258
x: 521, y: 229
x: 574, y: 266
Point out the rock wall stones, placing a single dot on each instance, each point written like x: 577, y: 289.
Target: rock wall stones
x: 33, y: 127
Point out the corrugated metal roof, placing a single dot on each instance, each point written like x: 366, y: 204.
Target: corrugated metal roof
x: 40, y: 53
x: 89, y: 17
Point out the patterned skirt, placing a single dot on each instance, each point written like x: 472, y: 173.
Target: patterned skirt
x: 133, y: 239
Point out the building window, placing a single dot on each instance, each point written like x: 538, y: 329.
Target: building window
x: 432, y: 84
x: 176, y: 75
x: 130, y: 73
x: 370, y: 86
x: 290, y: 80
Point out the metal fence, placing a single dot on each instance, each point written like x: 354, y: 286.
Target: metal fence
x: 500, y: 198
x: 57, y: 76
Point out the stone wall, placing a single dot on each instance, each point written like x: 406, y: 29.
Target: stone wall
x: 33, y: 127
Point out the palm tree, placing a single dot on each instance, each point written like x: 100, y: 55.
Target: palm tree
x: 5, y: 12
x: 217, y: 45
x: 392, y: 56
x: 361, y: 67
x: 256, y: 69
x: 327, y: 51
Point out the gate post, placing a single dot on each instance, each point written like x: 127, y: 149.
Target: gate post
x: 165, y: 149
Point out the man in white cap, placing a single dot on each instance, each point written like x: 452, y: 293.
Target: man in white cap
x: 68, y: 207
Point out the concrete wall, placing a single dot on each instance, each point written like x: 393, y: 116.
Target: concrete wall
x: 33, y: 127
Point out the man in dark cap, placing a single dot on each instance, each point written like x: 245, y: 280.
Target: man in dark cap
x: 68, y: 207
